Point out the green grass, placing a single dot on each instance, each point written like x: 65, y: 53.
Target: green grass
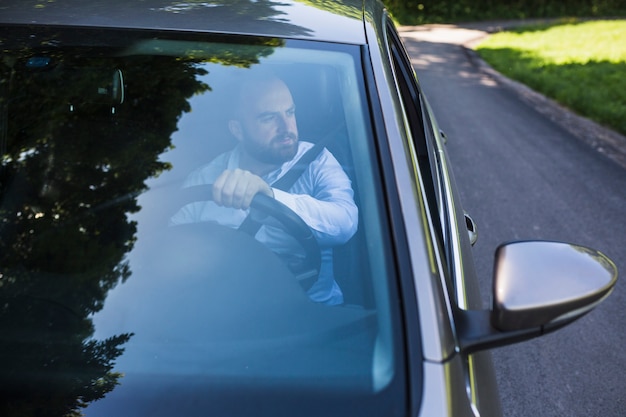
x: 581, y: 65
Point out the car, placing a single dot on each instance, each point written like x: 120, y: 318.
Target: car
x: 111, y: 307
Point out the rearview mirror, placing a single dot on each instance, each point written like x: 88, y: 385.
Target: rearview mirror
x: 538, y: 287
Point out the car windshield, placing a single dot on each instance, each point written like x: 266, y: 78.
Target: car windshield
x: 110, y: 304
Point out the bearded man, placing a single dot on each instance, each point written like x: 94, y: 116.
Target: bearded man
x: 264, y: 124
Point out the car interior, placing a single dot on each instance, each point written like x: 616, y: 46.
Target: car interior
x: 320, y: 117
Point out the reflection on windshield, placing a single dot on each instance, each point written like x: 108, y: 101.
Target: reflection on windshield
x: 81, y: 132
x: 241, y: 16
x: 100, y: 299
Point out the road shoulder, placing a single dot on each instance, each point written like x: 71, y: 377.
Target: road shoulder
x: 600, y: 138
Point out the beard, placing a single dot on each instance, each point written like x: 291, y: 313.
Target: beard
x: 276, y: 152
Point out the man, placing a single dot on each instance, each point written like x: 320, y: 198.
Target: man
x: 265, y: 127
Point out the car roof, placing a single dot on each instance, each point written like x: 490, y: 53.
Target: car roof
x: 324, y: 20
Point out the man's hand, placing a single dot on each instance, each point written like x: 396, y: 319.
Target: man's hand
x: 236, y: 188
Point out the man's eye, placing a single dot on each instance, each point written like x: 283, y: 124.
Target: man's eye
x: 267, y: 118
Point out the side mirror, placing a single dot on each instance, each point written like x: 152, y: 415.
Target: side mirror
x: 538, y: 287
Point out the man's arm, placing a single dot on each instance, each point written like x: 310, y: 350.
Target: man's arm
x: 324, y: 199
x: 236, y: 188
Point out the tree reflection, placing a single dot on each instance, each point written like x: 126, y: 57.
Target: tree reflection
x: 247, y: 16
x: 81, y: 131
x: 347, y: 10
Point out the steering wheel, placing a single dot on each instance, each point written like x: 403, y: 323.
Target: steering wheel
x: 268, y: 207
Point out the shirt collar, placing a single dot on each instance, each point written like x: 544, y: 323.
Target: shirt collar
x: 273, y: 176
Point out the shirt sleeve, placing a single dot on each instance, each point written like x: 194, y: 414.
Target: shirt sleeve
x: 324, y: 199
x: 203, y: 211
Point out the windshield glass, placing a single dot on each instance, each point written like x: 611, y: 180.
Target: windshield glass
x: 135, y: 267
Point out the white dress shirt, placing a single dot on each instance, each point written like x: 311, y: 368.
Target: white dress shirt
x: 322, y: 196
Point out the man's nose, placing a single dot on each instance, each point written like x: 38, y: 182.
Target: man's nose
x: 285, y: 123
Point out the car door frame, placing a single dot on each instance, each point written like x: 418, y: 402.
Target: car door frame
x: 454, y: 284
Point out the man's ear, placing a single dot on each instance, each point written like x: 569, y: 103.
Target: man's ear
x: 235, y: 129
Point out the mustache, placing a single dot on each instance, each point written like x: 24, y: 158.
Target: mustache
x: 281, y: 137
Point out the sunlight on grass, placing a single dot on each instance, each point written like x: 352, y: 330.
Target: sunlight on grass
x: 581, y: 65
x: 568, y: 43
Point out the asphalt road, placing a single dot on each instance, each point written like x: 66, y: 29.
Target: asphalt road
x: 523, y: 176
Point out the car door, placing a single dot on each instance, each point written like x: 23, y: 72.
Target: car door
x: 449, y: 222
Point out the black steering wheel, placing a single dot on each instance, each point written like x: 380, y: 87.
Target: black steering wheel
x: 267, y: 207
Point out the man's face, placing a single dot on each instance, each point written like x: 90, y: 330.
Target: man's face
x: 267, y: 123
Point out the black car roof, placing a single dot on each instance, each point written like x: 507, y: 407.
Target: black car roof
x: 325, y: 20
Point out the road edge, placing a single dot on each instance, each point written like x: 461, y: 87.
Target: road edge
x: 604, y: 140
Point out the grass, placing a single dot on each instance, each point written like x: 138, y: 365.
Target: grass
x: 581, y: 65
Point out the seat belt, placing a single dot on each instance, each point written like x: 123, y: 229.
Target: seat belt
x: 284, y: 183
